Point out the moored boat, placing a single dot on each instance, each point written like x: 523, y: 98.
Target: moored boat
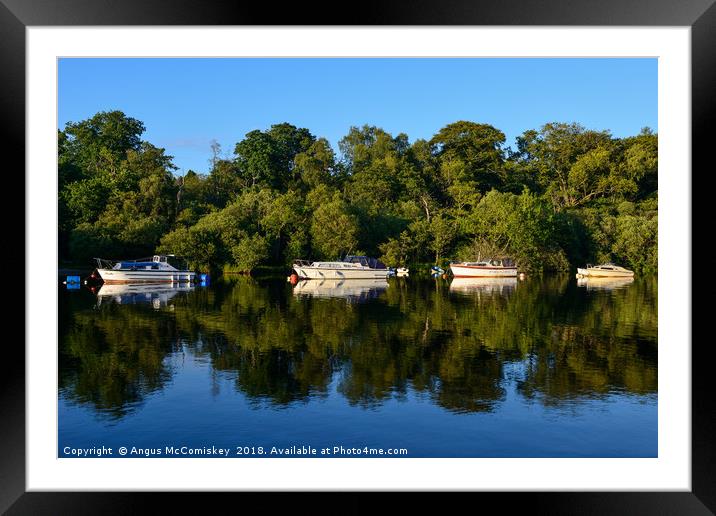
x: 498, y: 268
x: 605, y: 270
x: 156, y: 269
x: 351, y: 267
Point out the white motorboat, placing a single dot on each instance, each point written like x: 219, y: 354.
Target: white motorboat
x: 484, y: 269
x: 351, y: 267
x: 144, y: 270
x: 606, y: 270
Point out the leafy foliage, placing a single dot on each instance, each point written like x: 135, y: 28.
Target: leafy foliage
x: 564, y: 196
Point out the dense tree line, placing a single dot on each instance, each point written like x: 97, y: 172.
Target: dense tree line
x: 564, y: 196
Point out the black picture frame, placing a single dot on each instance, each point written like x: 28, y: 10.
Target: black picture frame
x: 700, y: 15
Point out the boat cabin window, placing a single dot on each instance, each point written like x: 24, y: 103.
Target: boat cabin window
x: 356, y: 259
x: 365, y: 261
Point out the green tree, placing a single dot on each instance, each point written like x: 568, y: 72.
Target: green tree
x: 470, y: 152
x: 636, y: 242
x: 334, y: 230
x: 639, y: 162
x: 316, y: 165
x: 282, y: 217
x: 523, y: 227
x: 443, y: 232
x: 397, y: 251
x: 572, y: 165
x: 564, y: 196
x: 94, y: 144
x: 266, y: 158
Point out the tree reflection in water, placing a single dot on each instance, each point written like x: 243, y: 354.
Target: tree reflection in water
x: 563, y: 343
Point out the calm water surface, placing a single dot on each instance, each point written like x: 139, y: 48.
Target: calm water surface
x: 545, y: 367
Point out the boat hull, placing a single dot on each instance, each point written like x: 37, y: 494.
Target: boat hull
x: 599, y: 273
x: 482, y: 271
x: 112, y: 276
x: 343, y: 273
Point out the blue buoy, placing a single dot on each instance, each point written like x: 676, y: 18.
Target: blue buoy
x: 73, y: 282
x: 203, y: 280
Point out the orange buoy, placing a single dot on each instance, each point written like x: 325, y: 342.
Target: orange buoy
x: 293, y: 278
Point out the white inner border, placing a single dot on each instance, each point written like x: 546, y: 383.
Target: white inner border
x: 670, y: 471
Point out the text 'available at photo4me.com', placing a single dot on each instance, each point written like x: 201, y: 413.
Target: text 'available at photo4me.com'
x: 213, y: 451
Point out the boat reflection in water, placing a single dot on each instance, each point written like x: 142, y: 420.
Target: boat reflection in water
x: 157, y: 295
x: 483, y: 285
x: 353, y: 290
x: 595, y: 283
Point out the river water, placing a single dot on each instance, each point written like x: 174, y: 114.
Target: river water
x: 542, y: 367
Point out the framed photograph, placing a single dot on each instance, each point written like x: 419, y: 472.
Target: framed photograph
x: 418, y: 253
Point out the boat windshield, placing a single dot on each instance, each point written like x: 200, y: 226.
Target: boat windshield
x: 607, y: 266
x: 373, y: 263
x: 153, y: 262
x: 503, y: 262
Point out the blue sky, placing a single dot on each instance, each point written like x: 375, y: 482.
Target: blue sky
x: 185, y: 103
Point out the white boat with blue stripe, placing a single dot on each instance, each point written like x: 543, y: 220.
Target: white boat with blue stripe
x: 155, y: 269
